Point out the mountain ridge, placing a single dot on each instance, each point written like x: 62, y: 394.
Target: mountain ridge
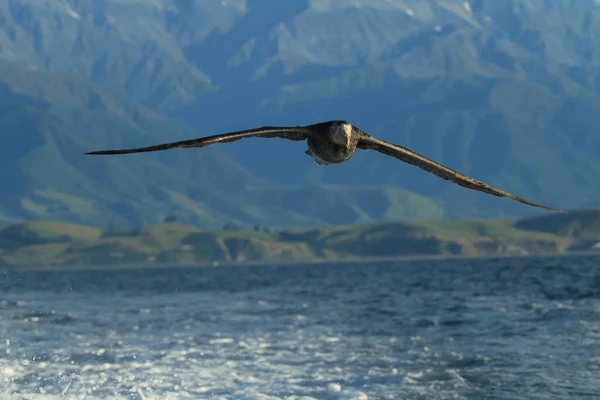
x: 504, y: 92
x: 45, y: 174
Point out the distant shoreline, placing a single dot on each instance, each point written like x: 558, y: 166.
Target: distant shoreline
x: 243, y: 264
x: 53, y: 245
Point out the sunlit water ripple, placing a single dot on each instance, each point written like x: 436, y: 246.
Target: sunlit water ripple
x: 464, y: 329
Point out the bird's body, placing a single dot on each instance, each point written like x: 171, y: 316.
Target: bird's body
x: 335, y: 142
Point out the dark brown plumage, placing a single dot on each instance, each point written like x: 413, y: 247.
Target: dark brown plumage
x: 334, y: 142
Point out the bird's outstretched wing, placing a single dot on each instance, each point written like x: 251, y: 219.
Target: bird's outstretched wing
x: 406, y: 155
x: 290, y: 133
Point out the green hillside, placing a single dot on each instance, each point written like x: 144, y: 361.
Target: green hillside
x: 47, y: 243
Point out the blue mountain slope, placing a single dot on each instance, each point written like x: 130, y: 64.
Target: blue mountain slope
x: 48, y: 121
x: 502, y: 90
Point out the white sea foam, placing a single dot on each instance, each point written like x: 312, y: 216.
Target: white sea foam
x: 376, y: 338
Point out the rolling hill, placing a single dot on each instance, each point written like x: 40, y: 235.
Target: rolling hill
x: 48, y: 243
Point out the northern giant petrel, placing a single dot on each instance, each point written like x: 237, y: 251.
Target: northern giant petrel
x: 334, y: 142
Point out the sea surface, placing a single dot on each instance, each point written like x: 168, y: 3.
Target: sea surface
x: 522, y: 328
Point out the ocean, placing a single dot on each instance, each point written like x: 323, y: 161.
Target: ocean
x: 498, y: 328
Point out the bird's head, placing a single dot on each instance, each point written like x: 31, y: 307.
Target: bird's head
x: 341, y: 134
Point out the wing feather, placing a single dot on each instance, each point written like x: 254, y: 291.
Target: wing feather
x: 291, y: 133
x: 408, y: 156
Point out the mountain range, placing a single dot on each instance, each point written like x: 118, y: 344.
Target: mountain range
x: 506, y: 91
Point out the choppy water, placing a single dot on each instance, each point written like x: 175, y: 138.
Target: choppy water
x: 472, y: 329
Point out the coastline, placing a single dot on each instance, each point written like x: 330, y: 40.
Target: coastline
x: 52, y: 245
x: 290, y: 263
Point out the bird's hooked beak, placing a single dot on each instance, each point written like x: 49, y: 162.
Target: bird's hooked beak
x: 345, y: 134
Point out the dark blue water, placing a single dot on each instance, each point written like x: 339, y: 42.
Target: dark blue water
x: 524, y: 328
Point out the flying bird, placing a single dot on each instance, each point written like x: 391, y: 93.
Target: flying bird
x: 334, y: 142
